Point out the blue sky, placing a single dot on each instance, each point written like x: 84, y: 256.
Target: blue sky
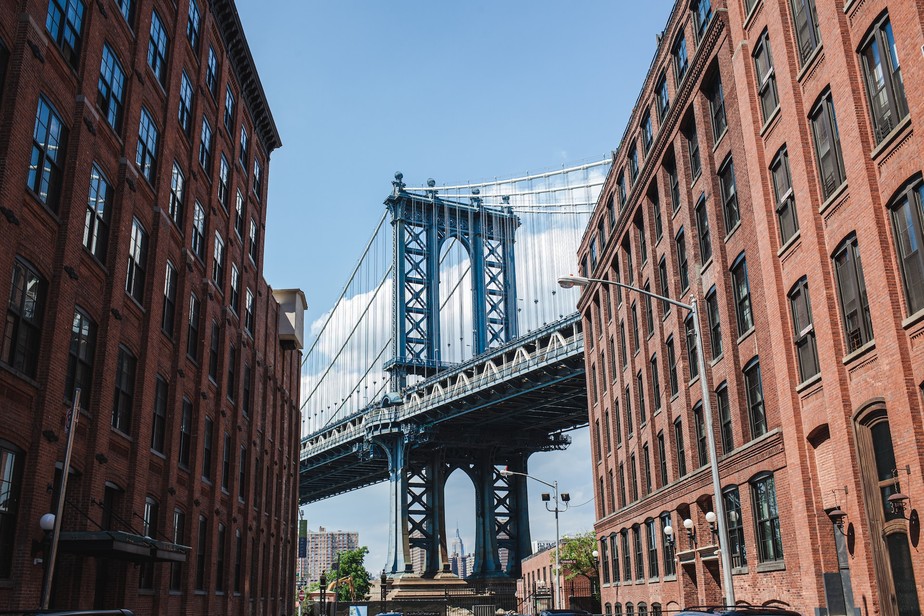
x: 455, y: 90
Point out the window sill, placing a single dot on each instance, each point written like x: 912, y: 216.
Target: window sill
x: 770, y: 121
x: 7, y: 584
x: 889, y: 140
x: 669, y: 578
x: 740, y: 570
x: 716, y: 360
x: 809, y: 63
x: 705, y: 266
x: 863, y: 350
x: 840, y: 190
x: 808, y: 383
x: 21, y: 375
x: 146, y: 592
x: 639, y: 582
x: 121, y: 434
x: 696, y: 177
x: 719, y: 139
x: 732, y: 230
x: 789, y: 243
x: 745, y: 335
x: 160, y: 455
x: 773, y: 565
x: 913, y: 319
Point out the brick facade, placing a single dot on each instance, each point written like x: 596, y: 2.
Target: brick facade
x: 245, y: 385
x: 818, y: 439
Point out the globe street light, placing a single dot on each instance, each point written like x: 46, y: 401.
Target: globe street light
x: 567, y: 282
x: 565, y: 498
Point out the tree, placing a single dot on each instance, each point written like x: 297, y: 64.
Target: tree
x: 353, y: 569
x: 577, y: 556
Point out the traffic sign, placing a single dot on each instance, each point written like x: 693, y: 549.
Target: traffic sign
x: 301, y: 595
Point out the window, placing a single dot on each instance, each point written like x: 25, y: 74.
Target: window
x: 157, y: 49
x: 682, y: 262
x: 667, y: 549
x: 213, y: 353
x: 23, y: 331
x: 146, y: 153
x: 126, y: 8
x: 785, y: 197
x: 223, y: 179
x: 246, y: 401
x: 701, y: 454
x: 49, y: 142
x: 633, y: 164
x: 179, y: 538
x: 231, y: 383
x: 715, y: 325
x: 207, y: 436
x: 647, y: 135
x: 605, y: 562
x: 617, y: 421
x: 662, y: 459
x: 622, y: 344
x: 626, y: 560
x: 733, y: 521
x: 755, y: 392
x: 656, y: 211
x: 185, y: 447
x: 766, y: 76
x: 689, y: 132
x: 211, y: 73
x: 646, y: 468
x: 851, y: 290
x: 253, y: 249
x: 729, y: 195
x: 908, y: 226
x: 664, y: 101
x: 640, y: 388
x: 742, y: 293
x: 177, y: 195
x: 137, y: 260
x: 681, y: 62
x: 725, y: 419
x: 639, y: 558
x: 192, y: 329
x: 804, y: 331
x: 124, y: 391
x: 218, y: 262
x: 238, y: 560
x: 205, y: 146
x: 198, y: 231
x: 593, y: 254
x: 635, y: 339
x: 193, y: 24
x: 257, y: 179
x: 702, y: 13
x: 628, y: 407
x: 110, y: 88
x: 672, y: 366
x: 220, y: 559
x: 621, y: 190
x: 665, y: 284
x: 186, y: 100
x: 201, y: 553
x: 80, y: 358
x: 248, y: 312
x: 655, y: 383
x: 702, y: 228
x: 65, y: 24
x: 885, y: 89
x: 766, y: 519
x: 159, y: 427
x: 10, y: 486
x: 806, y: 26
x: 229, y: 110
x: 170, y: 284
x: 642, y: 241
x: 235, y: 289
x: 242, y: 155
x: 827, y: 146
x: 717, y: 107
x: 226, y: 463
x: 674, y: 181
x: 622, y: 485
x: 652, y: 536
x: 681, y: 452
x: 148, y: 529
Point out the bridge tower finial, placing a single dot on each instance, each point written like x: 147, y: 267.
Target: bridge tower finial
x: 398, y: 183
x: 433, y: 192
x: 476, y: 199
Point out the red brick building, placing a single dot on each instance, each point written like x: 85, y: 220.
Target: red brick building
x: 771, y: 170
x: 135, y: 140
x: 536, y: 586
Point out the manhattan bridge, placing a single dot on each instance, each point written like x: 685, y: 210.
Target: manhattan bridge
x: 451, y: 347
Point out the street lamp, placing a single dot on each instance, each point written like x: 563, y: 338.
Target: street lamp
x: 567, y: 282
x: 383, y: 582
x: 323, y: 589
x: 546, y: 498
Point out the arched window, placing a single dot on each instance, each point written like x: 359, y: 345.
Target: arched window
x: 907, y: 210
x: 11, y: 464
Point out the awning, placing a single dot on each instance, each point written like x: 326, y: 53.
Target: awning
x: 121, y: 545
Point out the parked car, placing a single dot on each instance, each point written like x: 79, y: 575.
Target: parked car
x: 120, y: 612
x: 564, y: 613
x: 738, y: 610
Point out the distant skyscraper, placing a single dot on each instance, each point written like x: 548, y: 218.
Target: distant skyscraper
x: 323, y: 548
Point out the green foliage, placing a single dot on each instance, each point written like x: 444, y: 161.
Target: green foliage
x: 577, y: 556
x: 351, y: 565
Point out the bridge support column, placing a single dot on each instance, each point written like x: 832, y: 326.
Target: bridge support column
x: 487, y: 563
x: 426, y: 514
x: 399, y: 554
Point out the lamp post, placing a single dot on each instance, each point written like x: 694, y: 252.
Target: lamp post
x: 383, y: 583
x: 566, y: 282
x: 564, y: 498
x: 323, y: 589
